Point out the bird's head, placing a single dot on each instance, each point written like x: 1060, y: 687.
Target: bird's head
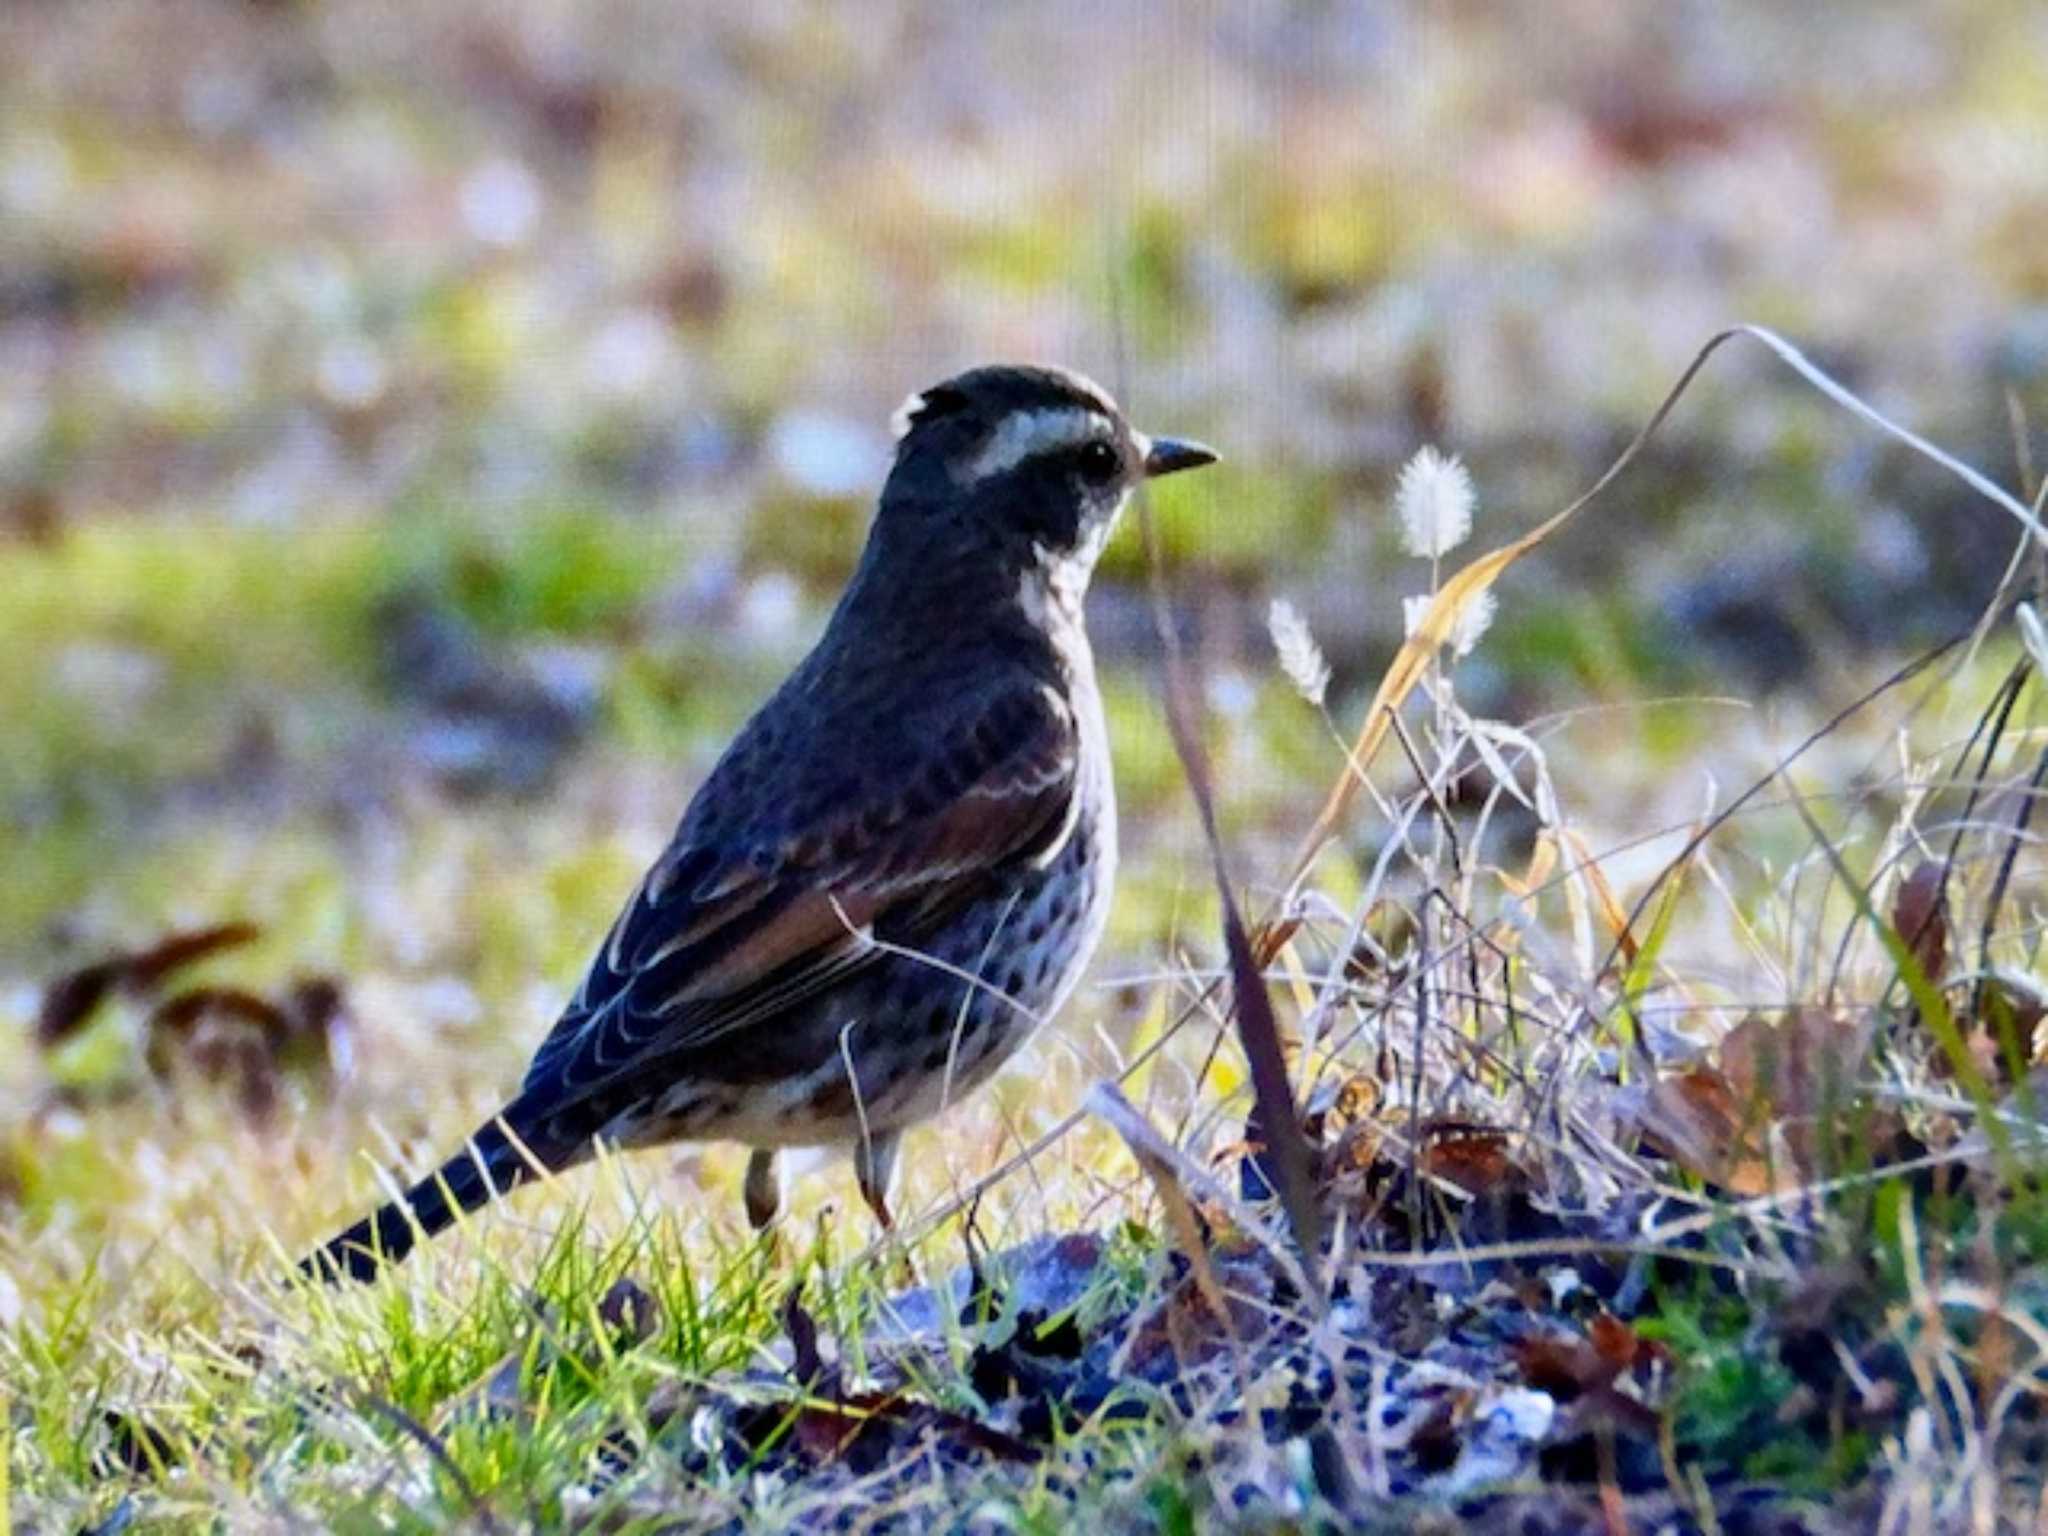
x: 1040, y: 459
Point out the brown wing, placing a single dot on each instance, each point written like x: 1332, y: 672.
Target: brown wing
x: 746, y: 915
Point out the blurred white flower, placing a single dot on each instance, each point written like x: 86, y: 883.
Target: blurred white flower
x: 501, y: 202
x: 1231, y: 694
x: 825, y: 455
x: 35, y: 173
x: 1473, y: 621
x: 351, y: 372
x: 1300, y: 657
x: 771, y: 606
x: 629, y: 354
x: 1434, y: 498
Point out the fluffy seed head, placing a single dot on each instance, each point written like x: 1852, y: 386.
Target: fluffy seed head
x: 1300, y: 657
x: 1473, y: 621
x: 1434, y: 498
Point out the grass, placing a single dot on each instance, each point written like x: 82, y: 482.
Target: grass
x: 264, y: 369
x: 1560, y: 1176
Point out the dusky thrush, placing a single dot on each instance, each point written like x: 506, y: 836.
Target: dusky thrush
x: 897, y: 870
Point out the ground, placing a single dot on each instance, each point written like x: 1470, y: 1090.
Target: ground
x: 422, y: 439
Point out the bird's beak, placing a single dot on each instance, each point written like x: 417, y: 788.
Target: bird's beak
x: 1168, y: 455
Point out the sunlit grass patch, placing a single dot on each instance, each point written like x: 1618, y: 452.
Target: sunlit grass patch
x: 1660, y: 1147
x: 159, y: 667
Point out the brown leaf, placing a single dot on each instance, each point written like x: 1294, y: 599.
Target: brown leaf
x: 1693, y: 1119
x: 320, y: 1019
x: 1770, y: 1118
x: 826, y: 1431
x: 1919, y: 920
x: 1586, y: 1372
x: 154, y: 966
x: 1356, y: 1150
x: 230, y: 1035
x: 1358, y: 1098
x: 71, y: 999
x: 1473, y: 1158
x: 1563, y: 1365
x: 1617, y: 1342
x: 184, y: 1015
x: 1795, y: 1067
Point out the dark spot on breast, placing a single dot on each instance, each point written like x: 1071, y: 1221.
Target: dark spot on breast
x: 934, y: 1060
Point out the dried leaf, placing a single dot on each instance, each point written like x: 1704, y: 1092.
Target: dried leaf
x: 1767, y: 1121
x: 1542, y: 861
x: 1694, y: 1119
x: 1918, y: 918
x: 1586, y: 1373
x: 1611, y: 911
x: 71, y: 999
x: 184, y: 1015
x: 1154, y: 1155
x: 1474, y: 1159
x: 1794, y: 1067
x: 1620, y: 1344
x: 1562, y: 1365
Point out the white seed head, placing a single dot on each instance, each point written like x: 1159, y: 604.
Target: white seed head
x: 1300, y: 657
x: 1471, y: 625
x: 1412, y: 611
x: 1434, y: 498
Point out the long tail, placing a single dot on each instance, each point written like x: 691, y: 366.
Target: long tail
x: 488, y: 1166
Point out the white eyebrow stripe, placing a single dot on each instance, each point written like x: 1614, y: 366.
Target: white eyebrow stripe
x: 901, y: 418
x: 1026, y: 434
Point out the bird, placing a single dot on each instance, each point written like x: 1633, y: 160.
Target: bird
x: 900, y: 866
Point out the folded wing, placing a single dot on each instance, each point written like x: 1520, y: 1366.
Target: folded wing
x: 752, y: 911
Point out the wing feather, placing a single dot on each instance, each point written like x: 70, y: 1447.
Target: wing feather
x: 747, y: 915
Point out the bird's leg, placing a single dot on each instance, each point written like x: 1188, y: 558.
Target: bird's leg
x: 874, y: 1167
x: 763, y: 1189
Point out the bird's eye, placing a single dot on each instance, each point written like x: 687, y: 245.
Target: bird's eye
x: 1099, y: 461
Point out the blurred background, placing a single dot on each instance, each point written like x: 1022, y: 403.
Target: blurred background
x: 426, y: 432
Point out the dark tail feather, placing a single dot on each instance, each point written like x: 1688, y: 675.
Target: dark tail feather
x: 488, y: 1166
